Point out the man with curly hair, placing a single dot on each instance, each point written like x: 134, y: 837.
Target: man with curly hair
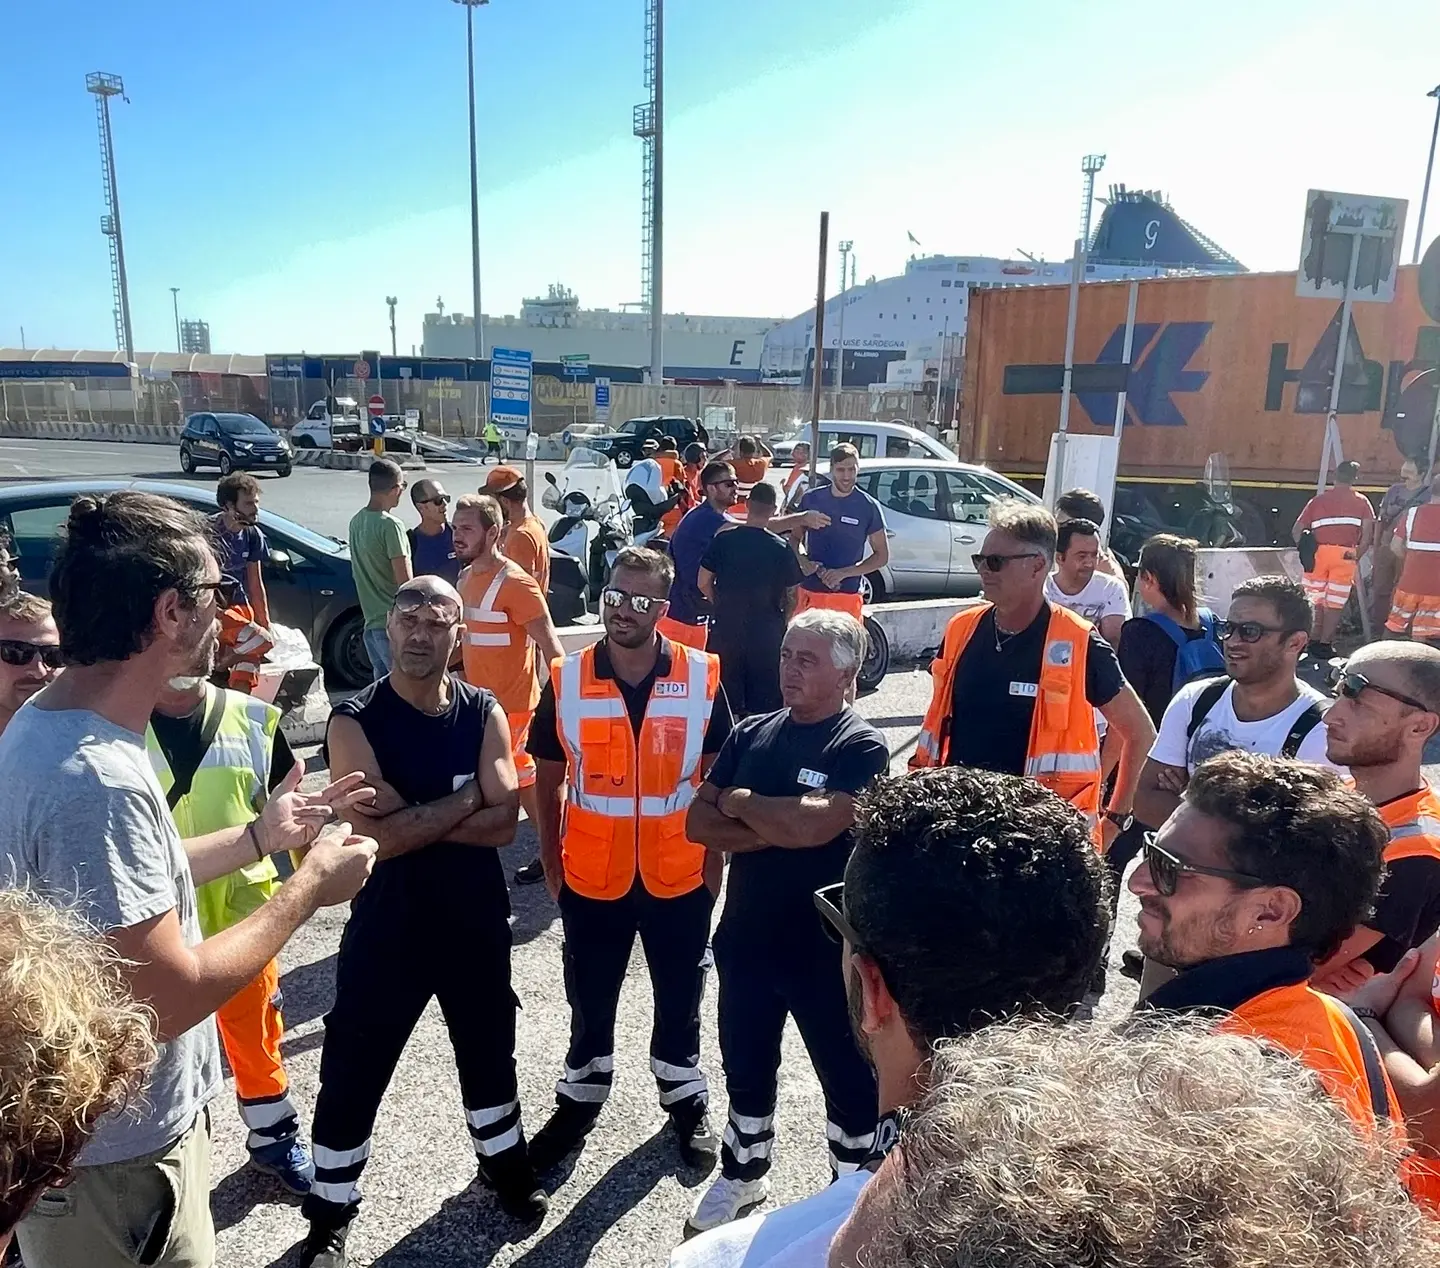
x: 1264, y: 871
x: 74, y: 1046
x: 969, y: 897
x: 1160, y: 1146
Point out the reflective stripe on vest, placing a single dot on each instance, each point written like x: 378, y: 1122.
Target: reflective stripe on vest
x: 1353, y: 521
x: 1410, y: 543
x: 626, y: 801
x: 486, y: 614
x: 1063, y: 750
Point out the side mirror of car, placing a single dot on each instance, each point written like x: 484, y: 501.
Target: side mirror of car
x: 281, y: 560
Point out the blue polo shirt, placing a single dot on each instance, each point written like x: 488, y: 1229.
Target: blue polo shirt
x: 688, y: 545
x: 852, y: 519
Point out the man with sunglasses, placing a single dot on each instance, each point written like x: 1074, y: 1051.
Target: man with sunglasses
x: 969, y: 898
x: 1387, y: 707
x: 433, y: 922
x: 29, y: 651
x: 1262, y: 872
x: 1260, y: 706
x: 1019, y: 680
x: 624, y: 733
x: 83, y: 820
x: 432, y: 541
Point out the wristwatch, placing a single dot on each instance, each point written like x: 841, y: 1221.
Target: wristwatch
x: 1123, y: 822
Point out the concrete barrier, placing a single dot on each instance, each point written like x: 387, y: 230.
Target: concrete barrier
x: 351, y: 461
x: 915, y: 628
x: 140, y: 433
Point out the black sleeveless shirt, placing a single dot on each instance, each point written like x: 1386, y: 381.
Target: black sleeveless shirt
x: 425, y: 758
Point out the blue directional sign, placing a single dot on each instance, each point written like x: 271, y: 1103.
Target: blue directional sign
x: 510, y: 384
x: 602, y: 400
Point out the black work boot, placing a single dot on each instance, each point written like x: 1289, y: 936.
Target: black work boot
x: 699, y: 1141
x: 563, y: 1133
x: 512, y: 1177
x: 325, y: 1246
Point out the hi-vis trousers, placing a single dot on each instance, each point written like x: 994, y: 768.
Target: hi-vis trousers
x: 599, y: 935
x: 408, y: 940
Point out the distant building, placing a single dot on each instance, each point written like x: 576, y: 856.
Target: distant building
x: 195, y: 337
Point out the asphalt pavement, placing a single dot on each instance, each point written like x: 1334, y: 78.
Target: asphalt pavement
x: 627, y: 1197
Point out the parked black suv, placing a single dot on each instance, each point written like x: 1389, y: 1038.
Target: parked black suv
x: 623, y: 446
x: 233, y: 442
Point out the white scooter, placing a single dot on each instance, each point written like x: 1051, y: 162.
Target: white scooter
x: 596, y: 522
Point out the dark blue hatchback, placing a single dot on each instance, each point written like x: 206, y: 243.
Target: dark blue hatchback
x: 233, y: 442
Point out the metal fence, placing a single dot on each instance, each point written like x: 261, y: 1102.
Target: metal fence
x: 91, y: 400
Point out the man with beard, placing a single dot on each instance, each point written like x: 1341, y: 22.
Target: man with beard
x: 780, y: 800
x: 245, y: 637
x: 1018, y: 862
x: 623, y: 736
x: 29, y: 651
x: 84, y: 821
x: 1386, y: 708
x: 1260, y: 706
x: 1262, y: 872
x: 1078, y: 584
x: 433, y: 922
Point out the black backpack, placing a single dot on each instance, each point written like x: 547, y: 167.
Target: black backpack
x: 1299, y: 729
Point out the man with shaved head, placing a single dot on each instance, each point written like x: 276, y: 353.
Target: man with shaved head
x: 1387, y: 707
x: 434, y: 921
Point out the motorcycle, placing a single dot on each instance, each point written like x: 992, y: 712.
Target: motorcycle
x: 595, y: 524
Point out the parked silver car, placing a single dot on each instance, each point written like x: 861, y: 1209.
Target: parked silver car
x: 935, y: 519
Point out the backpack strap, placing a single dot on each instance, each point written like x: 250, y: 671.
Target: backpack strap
x: 185, y: 777
x: 1171, y: 627
x: 1300, y: 728
x: 1204, y: 702
x: 1370, y: 1057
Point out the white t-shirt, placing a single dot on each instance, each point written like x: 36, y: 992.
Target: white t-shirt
x: 1222, y: 731
x: 1102, y: 596
x: 794, y: 1236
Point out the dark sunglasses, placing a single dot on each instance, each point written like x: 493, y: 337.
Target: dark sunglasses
x: 1165, y: 869
x: 442, y: 500
x: 1247, y: 631
x: 227, y: 590
x: 1352, y: 682
x: 830, y: 903
x: 641, y: 603
x: 410, y: 601
x: 15, y: 651
x: 993, y: 563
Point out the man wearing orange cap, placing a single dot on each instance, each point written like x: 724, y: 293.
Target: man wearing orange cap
x: 506, y: 620
x: 523, y: 541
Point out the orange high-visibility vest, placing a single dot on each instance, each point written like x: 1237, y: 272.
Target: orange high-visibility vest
x: 626, y: 801
x: 1064, y: 748
x: 1310, y: 1026
x: 1414, y: 823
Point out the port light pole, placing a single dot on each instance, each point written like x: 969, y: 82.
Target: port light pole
x: 470, y: 7
x: 1429, y: 170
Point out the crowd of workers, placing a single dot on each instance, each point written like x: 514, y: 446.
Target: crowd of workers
x: 937, y: 936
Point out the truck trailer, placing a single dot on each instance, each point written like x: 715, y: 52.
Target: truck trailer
x: 1237, y: 366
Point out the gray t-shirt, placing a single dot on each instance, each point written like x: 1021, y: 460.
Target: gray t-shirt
x: 83, y: 821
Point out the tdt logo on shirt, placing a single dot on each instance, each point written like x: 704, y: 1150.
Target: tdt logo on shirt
x: 672, y: 687
x: 810, y: 778
x: 1058, y: 654
x: 845, y: 519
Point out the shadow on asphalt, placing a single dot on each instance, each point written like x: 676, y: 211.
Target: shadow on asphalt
x: 241, y: 1192
x: 624, y: 1186
x: 309, y: 990
x: 468, y: 1229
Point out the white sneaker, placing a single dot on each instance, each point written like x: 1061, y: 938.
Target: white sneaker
x: 725, y: 1199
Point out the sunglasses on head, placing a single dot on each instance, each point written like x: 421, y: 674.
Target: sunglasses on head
x: 993, y: 563
x: 408, y: 602
x: 639, y: 603
x: 16, y: 651
x: 1166, y: 869
x: 1352, y: 682
x: 1247, y: 631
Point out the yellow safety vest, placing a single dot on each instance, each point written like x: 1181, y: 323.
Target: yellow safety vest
x: 229, y: 790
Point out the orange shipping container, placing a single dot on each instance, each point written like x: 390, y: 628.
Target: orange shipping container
x: 1237, y: 365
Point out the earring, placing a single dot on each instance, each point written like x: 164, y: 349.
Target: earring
x: 1256, y: 929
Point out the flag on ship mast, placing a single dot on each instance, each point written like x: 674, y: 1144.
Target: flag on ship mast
x: 912, y: 237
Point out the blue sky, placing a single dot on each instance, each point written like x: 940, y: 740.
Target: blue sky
x: 289, y: 163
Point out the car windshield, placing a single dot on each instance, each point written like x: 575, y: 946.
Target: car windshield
x: 242, y: 425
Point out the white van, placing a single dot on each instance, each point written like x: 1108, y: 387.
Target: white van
x: 331, y: 424
x: 873, y: 440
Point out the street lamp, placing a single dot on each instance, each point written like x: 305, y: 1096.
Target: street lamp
x: 470, y: 7
x: 1429, y: 168
x: 175, y: 303
x: 391, y: 301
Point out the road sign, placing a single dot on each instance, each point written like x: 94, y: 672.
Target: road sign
x: 376, y: 406
x: 1332, y: 223
x: 361, y: 370
x: 576, y: 364
x: 602, y: 400
x: 510, y: 384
